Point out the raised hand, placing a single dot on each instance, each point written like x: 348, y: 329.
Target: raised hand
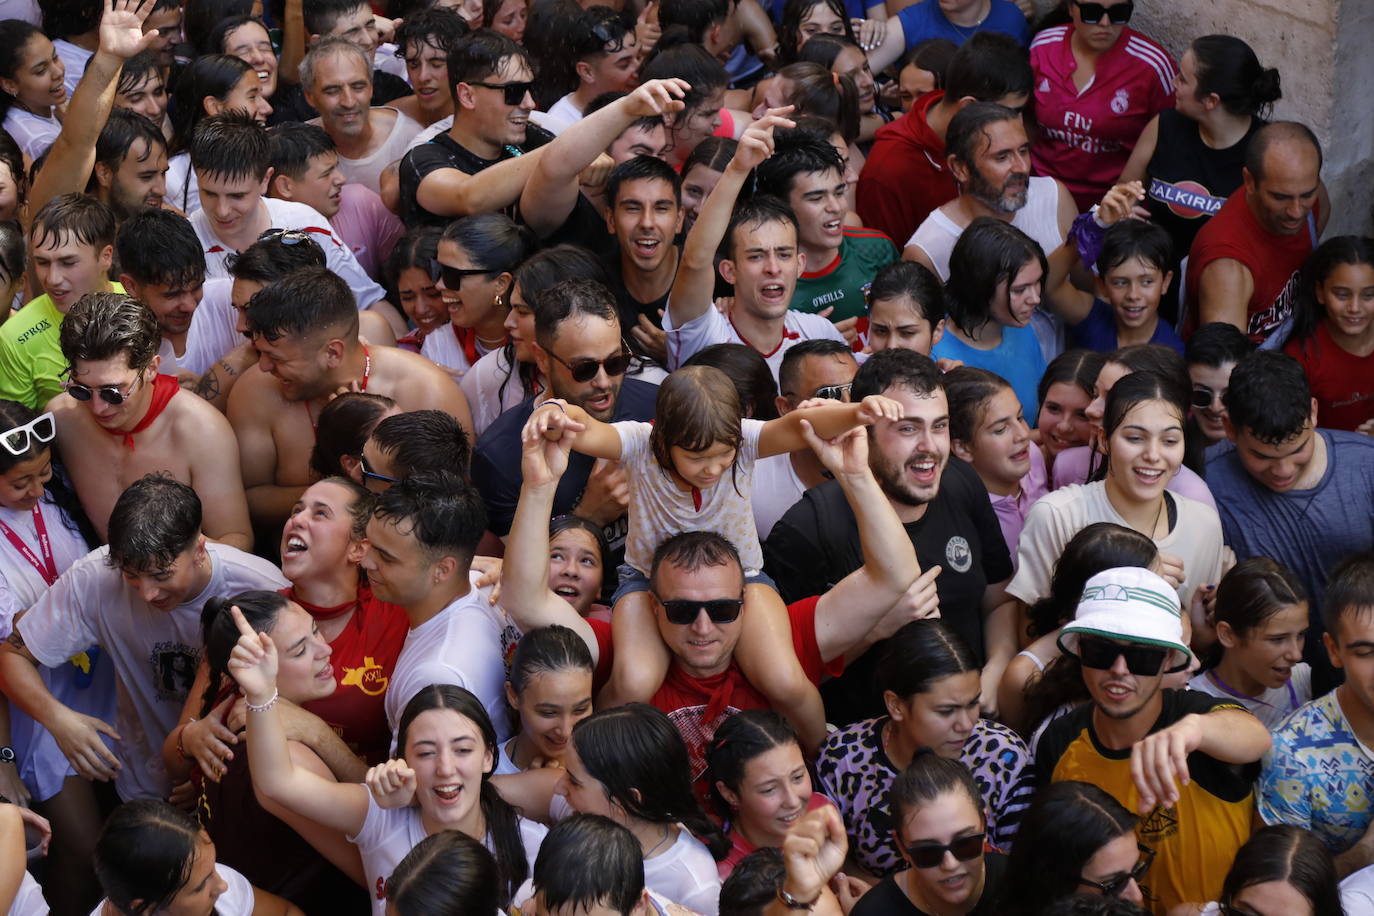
x: 647, y: 29
x: 757, y: 143
x: 542, y: 460
x: 875, y: 407
x: 845, y: 455
x: 121, y: 28
x: 549, y: 421
x: 869, y: 32
x: 657, y: 97
x: 813, y: 852
x: 1120, y: 203
x: 253, y: 663
x: 392, y: 784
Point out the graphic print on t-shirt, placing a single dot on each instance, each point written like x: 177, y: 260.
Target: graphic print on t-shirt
x: 174, y: 669
x: 367, y: 678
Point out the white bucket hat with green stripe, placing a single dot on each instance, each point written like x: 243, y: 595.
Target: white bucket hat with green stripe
x: 1129, y: 604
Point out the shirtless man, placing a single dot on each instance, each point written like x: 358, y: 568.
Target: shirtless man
x: 305, y: 329
x: 120, y: 420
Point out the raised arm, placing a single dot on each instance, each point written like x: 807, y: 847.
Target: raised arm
x: 789, y: 433
x: 556, y: 419
x: 551, y: 192
x: 696, y: 273
x: 1065, y: 299
x: 454, y: 193
x: 891, y: 49
x: 1159, y: 762
x: 72, y: 156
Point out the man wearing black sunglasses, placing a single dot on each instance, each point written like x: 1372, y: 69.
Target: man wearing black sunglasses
x: 1184, y: 760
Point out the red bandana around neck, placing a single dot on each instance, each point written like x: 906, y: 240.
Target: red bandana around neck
x: 164, y: 387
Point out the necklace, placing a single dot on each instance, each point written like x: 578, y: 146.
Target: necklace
x: 967, y: 30
x: 667, y: 832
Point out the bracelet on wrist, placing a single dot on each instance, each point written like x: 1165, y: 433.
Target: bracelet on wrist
x: 181, y: 749
x: 263, y: 707
x: 792, y: 903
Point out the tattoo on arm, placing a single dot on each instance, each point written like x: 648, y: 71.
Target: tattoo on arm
x: 208, y: 386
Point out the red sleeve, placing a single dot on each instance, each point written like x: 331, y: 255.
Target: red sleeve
x: 605, y: 651
x: 803, y: 614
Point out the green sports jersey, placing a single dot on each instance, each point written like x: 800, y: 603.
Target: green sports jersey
x: 844, y: 282
x: 31, y: 360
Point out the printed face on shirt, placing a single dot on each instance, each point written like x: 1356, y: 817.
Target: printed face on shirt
x: 1133, y: 289
x: 427, y: 70
x: 318, y: 535
x: 704, y: 648
x: 999, y: 176
x: 942, y: 717
x: 319, y: 186
x: 908, y: 456
x: 251, y: 44
x: 818, y: 200
x: 645, y: 218
x: 1283, y: 198
x: 774, y: 790
x: 342, y: 93
x: 136, y: 386
x: 1267, y: 652
x: 583, y: 337
x: 21, y: 487
x: 1281, y: 466
x: 764, y: 264
x: 203, y: 884
x: 148, y: 97
x: 229, y: 201
x: 1063, y: 420
x: 450, y: 756
x: 304, y: 672
x: 1145, y: 451
x: 68, y: 268
x: 552, y: 702
x: 999, y: 448
x: 637, y: 140
x: 944, y: 819
x: 494, y: 121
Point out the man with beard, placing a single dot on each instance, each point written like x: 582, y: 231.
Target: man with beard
x: 130, y: 173
x: 945, y: 510
x: 305, y: 329
x: 580, y: 349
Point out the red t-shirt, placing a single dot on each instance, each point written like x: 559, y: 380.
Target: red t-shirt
x: 364, y: 655
x: 905, y: 177
x: 697, y: 705
x: 1342, y: 382
x: 1273, y: 262
x: 1086, y: 137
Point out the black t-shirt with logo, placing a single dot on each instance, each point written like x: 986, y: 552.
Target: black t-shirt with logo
x: 816, y: 544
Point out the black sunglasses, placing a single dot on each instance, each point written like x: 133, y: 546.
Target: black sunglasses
x: 1118, y: 14
x: 930, y: 855
x: 110, y: 394
x: 19, y: 440
x: 684, y: 611
x: 584, y: 370
x: 285, y: 236
x: 1203, y: 397
x: 834, y: 392
x: 1101, y: 654
x: 1117, y: 885
x: 369, y: 474
x: 512, y: 93
x: 452, y: 277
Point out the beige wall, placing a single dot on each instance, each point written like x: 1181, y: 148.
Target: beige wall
x: 1324, y: 50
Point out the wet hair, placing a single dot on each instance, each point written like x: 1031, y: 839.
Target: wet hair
x: 1336, y: 252
x: 101, y: 326
x: 219, y: 634
x: 210, y: 76
x: 1278, y: 132
x: 1066, y: 824
x: 714, y: 153
x: 502, y: 820
x: 14, y: 414
x: 1349, y: 591
x: 446, y: 874
x: 1249, y: 594
x: 1283, y: 852
x: 493, y: 241
x: 567, y: 300
x: 154, y: 521
x: 69, y: 18
x: 692, y: 550
x: 231, y: 145
x: 440, y: 510
x: 545, y: 650
x: 547, y: 27
x: 1157, y: 358
x: 823, y: 49
x: 674, y: 57
x: 560, y: 523
x: 269, y: 260
x: 343, y: 427
x: 136, y: 70
x: 13, y: 159
x: 988, y: 67
x: 1228, y: 67
x: 753, y: 884
x: 202, y: 16
x: 913, y: 282
x: 791, y: 361
x: 329, y: 47
x: 738, y: 740
x: 794, y: 15
x: 435, y: 27
x: 642, y: 168
x: 641, y: 761
x: 1099, y: 546
x: 934, y: 56
x: 218, y: 40
x: 989, y: 253
x: 479, y: 55
x: 919, y: 655
x: 157, y: 246
x: 697, y: 408
x: 969, y: 389
x: 754, y: 213
x: 15, y: 34
x: 1077, y: 367
x: 321, y: 16
x: 293, y: 145
x: 750, y: 373
x: 898, y: 368
x: 308, y: 303
x: 13, y: 253
x: 144, y: 853
x: 1268, y: 397
x: 418, y: 441
x: 123, y: 128
x: 1136, y: 389
x: 585, y: 861
x: 817, y: 92
x: 80, y: 216
x: 1136, y: 238
x: 541, y: 271
x: 799, y: 154
x: 925, y: 779
x: 968, y: 130
x: 696, y: 16
x: 415, y: 249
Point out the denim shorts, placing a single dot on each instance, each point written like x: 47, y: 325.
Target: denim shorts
x: 632, y: 580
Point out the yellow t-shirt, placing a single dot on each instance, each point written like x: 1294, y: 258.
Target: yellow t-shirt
x: 31, y: 360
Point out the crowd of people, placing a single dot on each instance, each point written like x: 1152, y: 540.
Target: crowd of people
x: 675, y: 457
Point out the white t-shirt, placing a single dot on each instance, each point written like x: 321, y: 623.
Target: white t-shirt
x: 491, y: 386
x: 288, y: 214
x: 658, y: 509
x: 711, y: 327
x: 212, y: 332
x: 776, y: 489
x: 385, y: 60
x: 183, y: 191
x: 441, y: 347
x: 237, y: 899
x: 21, y: 585
x: 75, y: 59
x: 33, y: 133
x: 685, y: 873
x: 367, y: 171
x: 155, y: 653
x: 388, y: 834
x: 561, y: 115
x: 464, y: 645
x: 1270, y: 707
x: 440, y: 126
x: 1039, y: 219
x: 1058, y: 516
x: 1357, y: 893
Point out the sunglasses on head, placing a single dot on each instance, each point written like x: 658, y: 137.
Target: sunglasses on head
x: 1117, y: 885
x: 834, y: 392
x: 930, y: 855
x: 452, y: 277
x: 511, y: 93
x: 585, y: 369
x: 19, y: 440
x: 110, y: 394
x: 684, y: 611
x: 1118, y: 14
x: 1101, y: 654
x: 285, y: 236
x: 1203, y: 397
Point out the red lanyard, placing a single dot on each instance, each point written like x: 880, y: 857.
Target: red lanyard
x: 48, y: 568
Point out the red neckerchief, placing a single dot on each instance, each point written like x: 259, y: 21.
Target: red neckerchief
x: 164, y: 387
x: 48, y: 568
x: 327, y: 613
x: 467, y: 340
x: 720, y: 689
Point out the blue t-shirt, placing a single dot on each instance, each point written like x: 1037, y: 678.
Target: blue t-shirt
x: 853, y: 9
x: 925, y: 20
x: 1017, y: 359
x: 1098, y: 331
